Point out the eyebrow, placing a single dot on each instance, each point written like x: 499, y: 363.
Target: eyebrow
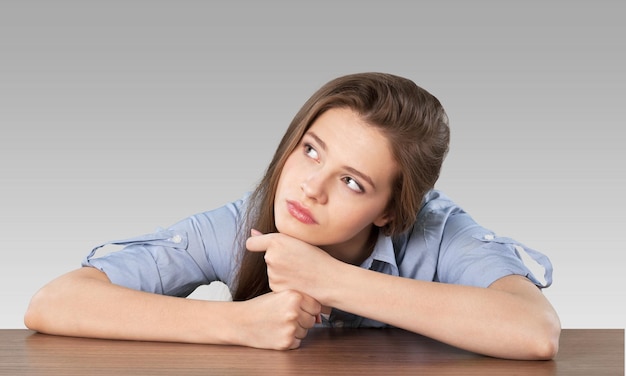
x: 352, y: 170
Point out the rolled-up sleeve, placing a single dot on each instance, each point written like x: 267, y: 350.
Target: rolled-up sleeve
x: 473, y: 255
x: 175, y: 261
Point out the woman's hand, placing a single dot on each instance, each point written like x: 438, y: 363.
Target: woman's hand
x: 293, y: 264
x: 278, y: 320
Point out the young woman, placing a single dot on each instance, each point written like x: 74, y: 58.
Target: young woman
x: 345, y: 229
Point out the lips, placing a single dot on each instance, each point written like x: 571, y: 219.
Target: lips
x: 300, y: 213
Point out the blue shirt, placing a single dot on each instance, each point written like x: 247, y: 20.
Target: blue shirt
x: 444, y: 245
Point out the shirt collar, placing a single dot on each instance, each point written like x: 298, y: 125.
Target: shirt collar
x: 383, y: 252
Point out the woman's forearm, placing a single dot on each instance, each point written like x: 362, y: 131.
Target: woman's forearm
x: 84, y: 303
x: 511, y: 319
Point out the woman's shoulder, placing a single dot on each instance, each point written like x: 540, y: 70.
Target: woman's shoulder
x: 233, y: 210
x: 437, y: 202
x: 219, y: 222
x: 439, y: 214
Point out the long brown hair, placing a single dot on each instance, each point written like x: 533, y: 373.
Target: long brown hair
x: 412, y: 119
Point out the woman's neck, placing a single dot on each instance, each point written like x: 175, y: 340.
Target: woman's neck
x: 355, y: 250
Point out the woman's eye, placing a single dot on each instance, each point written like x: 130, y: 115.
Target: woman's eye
x: 353, y: 184
x: 309, y: 151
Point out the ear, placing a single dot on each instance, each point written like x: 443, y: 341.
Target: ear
x: 384, y: 218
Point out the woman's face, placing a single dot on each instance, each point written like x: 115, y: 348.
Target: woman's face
x: 336, y: 184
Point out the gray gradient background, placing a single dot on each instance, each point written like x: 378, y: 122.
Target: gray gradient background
x: 119, y: 117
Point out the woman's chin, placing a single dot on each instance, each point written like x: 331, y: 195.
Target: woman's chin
x: 296, y: 231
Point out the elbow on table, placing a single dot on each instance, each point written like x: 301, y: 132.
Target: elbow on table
x: 35, y: 317
x: 545, y: 346
x: 32, y: 316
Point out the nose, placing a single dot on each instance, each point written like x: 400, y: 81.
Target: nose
x: 314, y: 188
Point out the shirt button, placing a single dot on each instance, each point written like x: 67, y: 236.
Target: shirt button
x: 176, y: 239
x: 489, y: 237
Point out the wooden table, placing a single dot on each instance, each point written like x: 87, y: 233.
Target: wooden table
x: 362, y: 352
